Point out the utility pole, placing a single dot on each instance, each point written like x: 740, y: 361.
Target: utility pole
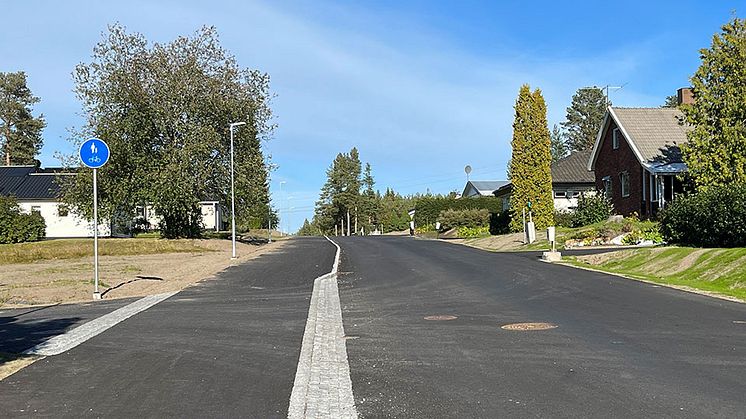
x: 348, y: 223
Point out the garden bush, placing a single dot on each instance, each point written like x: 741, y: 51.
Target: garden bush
x: 471, y: 218
x: 715, y: 217
x: 563, y: 218
x: 18, y: 227
x: 473, y: 232
x: 500, y: 223
x: 592, y: 209
x: 429, y: 208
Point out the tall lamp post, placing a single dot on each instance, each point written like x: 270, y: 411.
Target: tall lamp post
x: 232, y: 126
x: 279, y: 223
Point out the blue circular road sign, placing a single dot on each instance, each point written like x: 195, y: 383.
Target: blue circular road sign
x: 94, y: 153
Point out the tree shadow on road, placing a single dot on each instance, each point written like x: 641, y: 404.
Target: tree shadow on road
x: 18, y: 334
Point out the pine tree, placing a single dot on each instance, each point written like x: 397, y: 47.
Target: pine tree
x: 715, y: 151
x: 584, y: 118
x: 340, y: 195
x: 558, y: 145
x: 20, y: 131
x: 530, y: 172
x: 672, y: 101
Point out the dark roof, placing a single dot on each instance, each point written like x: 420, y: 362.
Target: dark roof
x: 31, y: 183
x: 573, y: 169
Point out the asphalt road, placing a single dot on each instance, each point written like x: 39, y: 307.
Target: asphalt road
x: 230, y: 347
x: 224, y: 348
x: 621, y: 349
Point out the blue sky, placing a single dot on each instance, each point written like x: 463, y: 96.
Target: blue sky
x: 422, y: 88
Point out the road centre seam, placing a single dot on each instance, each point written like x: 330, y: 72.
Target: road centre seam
x: 322, y: 386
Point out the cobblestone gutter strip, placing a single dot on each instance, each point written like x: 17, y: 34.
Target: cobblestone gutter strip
x: 323, y: 388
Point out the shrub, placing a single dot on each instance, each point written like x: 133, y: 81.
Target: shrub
x: 715, y: 217
x: 17, y: 227
x: 430, y: 207
x: 592, y: 209
x: 464, y: 218
x: 563, y: 218
x: 473, y: 232
x: 500, y: 222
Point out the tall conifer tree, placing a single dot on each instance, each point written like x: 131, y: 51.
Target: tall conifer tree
x: 715, y: 154
x: 529, y: 170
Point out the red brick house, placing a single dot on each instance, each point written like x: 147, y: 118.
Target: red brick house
x: 636, y: 158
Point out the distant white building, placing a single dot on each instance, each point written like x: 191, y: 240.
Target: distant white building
x: 570, y: 179
x: 38, y: 189
x: 482, y: 187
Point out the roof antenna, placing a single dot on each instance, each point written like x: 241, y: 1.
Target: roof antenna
x: 609, y: 87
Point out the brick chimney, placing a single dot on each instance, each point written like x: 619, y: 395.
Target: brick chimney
x: 685, y: 96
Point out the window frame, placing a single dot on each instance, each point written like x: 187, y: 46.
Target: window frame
x: 625, y: 191
x: 615, y: 134
x: 608, y: 186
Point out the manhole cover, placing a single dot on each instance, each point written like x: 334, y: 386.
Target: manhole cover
x: 529, y: 326
x: 440, y: 318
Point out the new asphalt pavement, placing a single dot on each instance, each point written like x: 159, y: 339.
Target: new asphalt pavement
x: 621, y: 348
x: 229, y: 347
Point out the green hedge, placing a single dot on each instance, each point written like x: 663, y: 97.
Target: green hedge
x: 471, y: 218
x: 17, y: 227
x: 712, y: 218
x: 428, y: 208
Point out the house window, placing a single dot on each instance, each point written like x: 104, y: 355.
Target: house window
x: 62, y: 210
x: 573, y: 194
x: 607, y: 186
x: 624, y: 181
x: 560, y: 194
x: 615, y: 138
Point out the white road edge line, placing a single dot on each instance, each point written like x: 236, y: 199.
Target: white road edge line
x: 323, y: 387
x: 72, y: 338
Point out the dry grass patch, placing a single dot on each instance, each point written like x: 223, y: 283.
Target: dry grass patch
x: 12, y: 363
x: 78, y: 248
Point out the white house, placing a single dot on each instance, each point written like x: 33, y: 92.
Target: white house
x: 570, y: 178
x: 38, y: 189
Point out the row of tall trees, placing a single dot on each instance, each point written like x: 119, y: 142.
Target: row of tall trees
x: 164, y: 110
x: 347, y: 197
x: 20, y: 130
x: 350, y: 204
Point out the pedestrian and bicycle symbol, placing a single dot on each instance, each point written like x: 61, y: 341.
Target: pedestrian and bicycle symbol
x: 94, y: 153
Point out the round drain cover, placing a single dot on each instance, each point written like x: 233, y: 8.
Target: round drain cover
x: 441, y: 317
x: 529, y: 326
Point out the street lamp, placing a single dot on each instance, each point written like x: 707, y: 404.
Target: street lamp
x: 231, y: 126
x: 280, y: 222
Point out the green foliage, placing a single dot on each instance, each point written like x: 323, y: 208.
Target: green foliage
x: 164, y: 110
x: 340, y: 197
x: 392, y: 213
x: 18, y: 227
x: 429, y: 208
x: 307, y: 229
x: 592, y: 208
x: 20, y: 131
x: 715, y: 151
x: 584, y: 117
x: 671, y: 102
x: 529, y: 170
x: 563, y: 218
x: 500, y: 222
x: 472, y: 218
x: 473, y: 232
x: 714, y: 217
x: 558, y: 146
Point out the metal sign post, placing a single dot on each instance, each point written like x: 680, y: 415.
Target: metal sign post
x: 94, y: 153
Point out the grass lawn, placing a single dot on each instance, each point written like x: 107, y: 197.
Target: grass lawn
x: 721, y: 271
x: 78, y: 248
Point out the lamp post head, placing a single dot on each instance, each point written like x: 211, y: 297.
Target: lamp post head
x: 236, y: 124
